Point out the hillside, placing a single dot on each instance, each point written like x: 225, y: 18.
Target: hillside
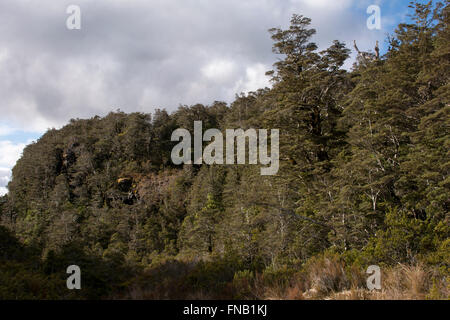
x: 363, y: 180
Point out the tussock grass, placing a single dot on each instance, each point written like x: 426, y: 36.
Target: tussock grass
x: 325, y: 277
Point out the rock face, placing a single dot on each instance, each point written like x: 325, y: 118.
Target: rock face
x: 125, y: 184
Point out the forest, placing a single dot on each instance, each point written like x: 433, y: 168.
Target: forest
x: 363, y: 180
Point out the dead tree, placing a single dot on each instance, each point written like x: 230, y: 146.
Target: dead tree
x: 366, y: 56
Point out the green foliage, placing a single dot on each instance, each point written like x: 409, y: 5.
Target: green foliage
x: 363, y: 179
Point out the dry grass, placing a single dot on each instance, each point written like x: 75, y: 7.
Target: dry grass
x: 327, y: 275
x: 324, y: 278
x: 328, y: 280
x: 410, y: 283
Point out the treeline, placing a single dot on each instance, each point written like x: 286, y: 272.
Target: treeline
x: 363, y: 179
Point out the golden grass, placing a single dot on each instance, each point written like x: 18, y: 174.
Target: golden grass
x: 402, y: 282
x: 325, y: 278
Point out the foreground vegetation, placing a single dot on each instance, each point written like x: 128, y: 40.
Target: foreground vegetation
x: 363, y: 180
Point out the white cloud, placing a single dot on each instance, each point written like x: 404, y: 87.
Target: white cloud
x: 255, y: 78
x: 5, y: 175
x: 3, y: 191
x: 325, y: 4
x: 219, y: 70
x: 9, y: 154
x: 6, y: 130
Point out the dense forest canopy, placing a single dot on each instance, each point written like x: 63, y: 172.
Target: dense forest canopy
x: 364, y: 177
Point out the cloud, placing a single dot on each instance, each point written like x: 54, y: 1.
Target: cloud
x: 326, y: 4
x: 9, y: 154
x: 219, y: 70
x: 6, y: 130
x: 254, y: 79
x: 138, y: 55
x: 3, y: 191
x: 5, y: 175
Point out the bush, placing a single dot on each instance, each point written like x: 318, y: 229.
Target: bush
x: 326, y: 274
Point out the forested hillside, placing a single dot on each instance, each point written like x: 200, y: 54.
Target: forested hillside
x: 363, y: 180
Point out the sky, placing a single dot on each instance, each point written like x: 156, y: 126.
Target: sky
x: 139, y: 55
